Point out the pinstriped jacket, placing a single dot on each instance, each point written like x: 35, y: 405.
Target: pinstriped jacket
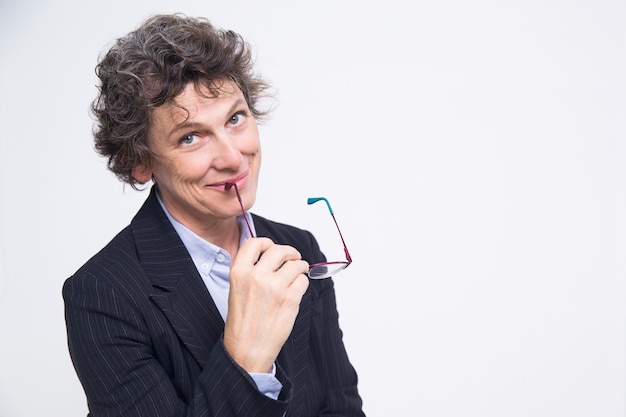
x: 145, y: 337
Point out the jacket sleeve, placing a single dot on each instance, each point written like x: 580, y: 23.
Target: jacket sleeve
x: 113, y: 350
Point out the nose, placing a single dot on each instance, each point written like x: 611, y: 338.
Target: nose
x: 225, y: 152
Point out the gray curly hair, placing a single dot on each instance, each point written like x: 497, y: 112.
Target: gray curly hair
x: 150, y: 67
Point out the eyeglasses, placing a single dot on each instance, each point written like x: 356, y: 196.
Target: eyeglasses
x: 319, y: 270
x: 328, y: 269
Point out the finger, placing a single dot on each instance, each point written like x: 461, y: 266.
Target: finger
x: 275, y: 257
x: 293, y: 268
x: 299, y: 286
x: 252, y: 249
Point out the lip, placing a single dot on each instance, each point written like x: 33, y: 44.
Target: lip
x: 240, y: 180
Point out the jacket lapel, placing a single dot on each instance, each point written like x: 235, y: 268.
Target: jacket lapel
x: 178, y: 289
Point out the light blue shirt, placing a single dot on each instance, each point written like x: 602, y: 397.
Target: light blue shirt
x: 213, y: 264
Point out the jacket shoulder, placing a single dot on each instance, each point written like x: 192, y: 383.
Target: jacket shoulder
x: 116, y: 263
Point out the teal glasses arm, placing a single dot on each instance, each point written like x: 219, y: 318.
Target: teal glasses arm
x: 312, y: 200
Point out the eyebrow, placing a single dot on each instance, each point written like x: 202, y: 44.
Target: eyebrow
x: 187, y: 125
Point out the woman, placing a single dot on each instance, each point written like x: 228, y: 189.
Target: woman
x: 185, y: 312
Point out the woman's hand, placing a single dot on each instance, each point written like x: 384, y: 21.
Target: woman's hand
x: 267, y: 282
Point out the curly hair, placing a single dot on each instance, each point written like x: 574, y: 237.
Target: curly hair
x: 150, y: 67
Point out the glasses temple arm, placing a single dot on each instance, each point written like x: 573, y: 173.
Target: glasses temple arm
x: 345, y: 248
x: 227, y: 187
x: 312, y: 200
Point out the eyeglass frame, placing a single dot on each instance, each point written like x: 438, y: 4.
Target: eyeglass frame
x: 319, y: 265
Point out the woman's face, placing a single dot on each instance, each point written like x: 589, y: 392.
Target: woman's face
x: 200, y: 143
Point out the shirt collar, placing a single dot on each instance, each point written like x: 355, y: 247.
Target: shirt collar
x: 201, y: 250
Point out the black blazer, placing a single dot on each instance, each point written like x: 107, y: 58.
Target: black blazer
x: 145, y: 336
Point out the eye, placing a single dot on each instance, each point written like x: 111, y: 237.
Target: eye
x: 237, y: 118
x: 188, y: 139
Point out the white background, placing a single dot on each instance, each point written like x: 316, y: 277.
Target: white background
x: 473, y: 153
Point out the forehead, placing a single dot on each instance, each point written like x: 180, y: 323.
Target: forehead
x: 196, y: 97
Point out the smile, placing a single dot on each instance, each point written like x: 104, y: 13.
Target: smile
x: 241, y: 181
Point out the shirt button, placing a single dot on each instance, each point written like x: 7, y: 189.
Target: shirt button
x: 220, y: 257
x: 204, y: 266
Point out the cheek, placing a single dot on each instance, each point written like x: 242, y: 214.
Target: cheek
x: 254, y: 158
x: 190, y: 167
x: 251, y: 149
x: 250, y: 143
x: 194, y: 167
x: 259, y: 157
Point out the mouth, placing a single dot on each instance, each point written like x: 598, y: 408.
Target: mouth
x: 240, y: 181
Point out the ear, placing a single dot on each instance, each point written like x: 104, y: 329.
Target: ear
x: 142, y: 174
